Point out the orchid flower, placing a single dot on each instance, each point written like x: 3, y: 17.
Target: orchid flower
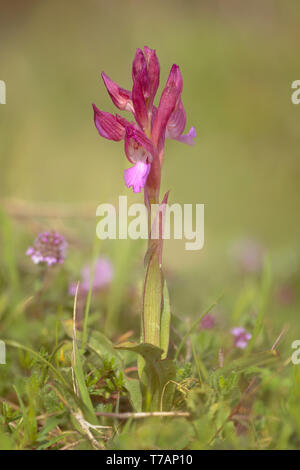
x: 144, y: 139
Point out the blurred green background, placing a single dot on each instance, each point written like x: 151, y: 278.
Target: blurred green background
x: 238, y: 60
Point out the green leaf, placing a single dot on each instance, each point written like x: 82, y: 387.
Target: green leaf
x: 50, y: 424
x: 165, y: 322
x: 158, y: 375
x: 135, y: 394
x: 152, y: 301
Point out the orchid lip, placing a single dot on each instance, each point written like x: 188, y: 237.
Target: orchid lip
x: 136, y: 176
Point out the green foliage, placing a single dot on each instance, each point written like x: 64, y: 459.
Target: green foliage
x: 155, y: 433
x: 50, y: 399
x: 157, y: 377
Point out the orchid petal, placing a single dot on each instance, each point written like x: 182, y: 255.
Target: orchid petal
x: 137, y: 146
x: 124, y: 122
x: 120, y: 97
x: 176, y: 123
x: 138, y: 64
x: 189, y: 137
x: 107, y: 125
x: 167, y: 104
x: 153, y: 69
x: 132, y: 132
x: 138, y: 99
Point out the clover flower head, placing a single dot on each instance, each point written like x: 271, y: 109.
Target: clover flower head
x: 241, y: 337
x: 144, y: 139
x: 49, y: 247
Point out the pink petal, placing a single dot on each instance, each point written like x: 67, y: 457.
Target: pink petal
x: 176, y: 123
x: 167, y: 104
x: 238, y: 331
x: 153, y: 69
x: 138, y: 99
x: 124, y: 122
x: 136, y: 176
x: 102, y: 276
x: 137, y: 146
x: 138, y: 64
x: 108, y: 126
x: 189, y: 137
x: 120, y: 97
x: 140, y: 137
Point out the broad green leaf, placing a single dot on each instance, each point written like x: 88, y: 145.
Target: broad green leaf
x: 152, y: 301
x: 135, y: 394
x: 158, y: 375
x: 165, y: 322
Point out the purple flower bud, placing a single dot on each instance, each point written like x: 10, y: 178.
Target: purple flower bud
x: 49, y: 247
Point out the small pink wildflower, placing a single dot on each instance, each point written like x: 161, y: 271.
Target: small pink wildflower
x: 241, y: 337
x: 49, y: 247
x: 208, y: 321
x: 103, y: 275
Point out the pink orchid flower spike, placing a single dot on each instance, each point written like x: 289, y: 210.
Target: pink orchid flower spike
x: 145, y: 138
